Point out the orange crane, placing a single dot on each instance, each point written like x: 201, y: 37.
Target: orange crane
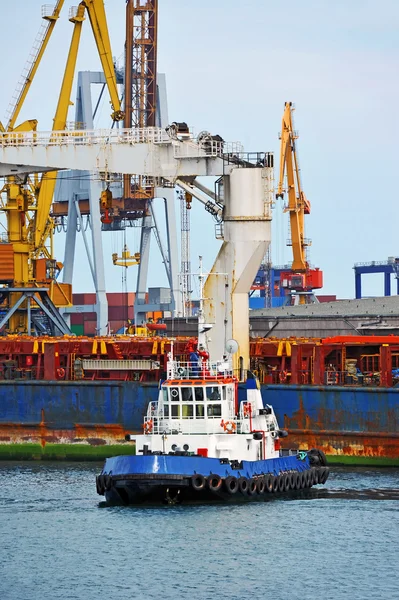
x: 301, y: 280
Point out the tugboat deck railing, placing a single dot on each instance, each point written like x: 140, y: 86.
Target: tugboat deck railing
x: 205, y: 370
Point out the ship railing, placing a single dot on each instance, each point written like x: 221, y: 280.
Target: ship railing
x: 330, y: 378
x: 206, y: 370
x: 247, y: 413
x: 157, y: 424
x: 344, y: 378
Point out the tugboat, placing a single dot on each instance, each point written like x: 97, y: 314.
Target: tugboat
x: 199, y: 444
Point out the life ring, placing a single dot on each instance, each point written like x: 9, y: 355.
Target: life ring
x: 283, y: 376
x: 148, y: 426
x: 231, y: 484
x: 60, y: 373
x: 214, y: 482
x: 198, y: 482
x: 229, y: 426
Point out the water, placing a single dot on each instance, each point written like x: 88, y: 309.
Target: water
x: 59, y: 541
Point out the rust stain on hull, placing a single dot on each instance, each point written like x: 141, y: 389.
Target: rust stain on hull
x: 39, y: 433
x: 349, y: 444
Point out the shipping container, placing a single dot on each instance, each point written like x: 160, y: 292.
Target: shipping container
x: 77, y: 318
x: 120, y: 298
x: 77, y: 329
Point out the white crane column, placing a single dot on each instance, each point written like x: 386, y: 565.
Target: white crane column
x: 248, y: 194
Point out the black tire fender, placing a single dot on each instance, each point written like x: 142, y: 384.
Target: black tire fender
x: 108, y: 482
x: 269, y: 483
x: 281, y: 483
x: 323, y: 459
x: 99, y: 485
x: 303, y: 479
x: 231, y: 484
x: 252, y: 486
x: 308, y: 478
x: 261, y: 485
x: 324, y: 473
x: 243, y: 485
x: 315, y: 475
x: 214, y: 482
x: 198, y: 482
x: 298, y: 481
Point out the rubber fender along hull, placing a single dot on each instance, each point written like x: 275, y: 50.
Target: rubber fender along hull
x: 169, y: 479
x: 178, y: 490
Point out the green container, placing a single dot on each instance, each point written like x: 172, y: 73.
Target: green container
x: 77, y: 329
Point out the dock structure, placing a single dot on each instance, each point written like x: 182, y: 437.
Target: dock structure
x: 386, y: 267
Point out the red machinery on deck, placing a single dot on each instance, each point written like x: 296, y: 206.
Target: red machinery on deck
x: 341, y: 360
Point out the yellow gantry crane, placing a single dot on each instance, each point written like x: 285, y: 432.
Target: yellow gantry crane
x: 301, y: 279
x: 26, y: 259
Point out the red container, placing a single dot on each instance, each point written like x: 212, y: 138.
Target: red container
x: 77, y: 319
x: 90, y: 328
x: 78, y: 299
x: 89, y: 299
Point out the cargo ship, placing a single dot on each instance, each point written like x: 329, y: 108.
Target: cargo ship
x: 78, y: 397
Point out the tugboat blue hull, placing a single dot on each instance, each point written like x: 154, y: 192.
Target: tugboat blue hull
x: 171, y: 479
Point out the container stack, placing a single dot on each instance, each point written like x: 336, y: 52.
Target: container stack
x: 120, y: 310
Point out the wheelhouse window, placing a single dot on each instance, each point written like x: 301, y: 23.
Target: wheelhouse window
x: 199, y: 394
x: 187, y: 411
x: 187, y: 394
x: 214, y: 410
x: 199, y: 411
x: 212, y: 393
x: 175, y: 411
x: 174, y: 394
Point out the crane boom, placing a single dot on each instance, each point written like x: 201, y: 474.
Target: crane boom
x: 301, y: 278
x: 48, y: 181
x: 37, y: 51
x: 298, y: 205
x: 98, y: 22
x: 95, y: 9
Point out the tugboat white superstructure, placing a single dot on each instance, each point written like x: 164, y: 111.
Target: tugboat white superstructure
x: 200, y: 443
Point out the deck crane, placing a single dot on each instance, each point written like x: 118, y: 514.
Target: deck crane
x: 301, y: 280
x: 26, y: 260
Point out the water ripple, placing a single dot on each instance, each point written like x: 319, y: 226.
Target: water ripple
x: 59, y: 541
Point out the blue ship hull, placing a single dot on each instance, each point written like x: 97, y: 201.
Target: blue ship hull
x: 89, y: 420
x: 172, y: 479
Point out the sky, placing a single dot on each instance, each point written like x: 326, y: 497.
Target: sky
x: 230, y: 66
